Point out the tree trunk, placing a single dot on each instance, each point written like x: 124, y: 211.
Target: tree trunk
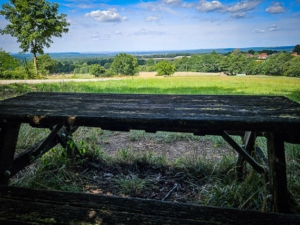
x: 35, y: 63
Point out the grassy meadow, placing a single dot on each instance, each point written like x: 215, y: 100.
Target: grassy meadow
x: 202, y: 173
x: 250, y: 85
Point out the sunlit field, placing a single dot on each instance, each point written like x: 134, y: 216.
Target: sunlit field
x: 222, y: 85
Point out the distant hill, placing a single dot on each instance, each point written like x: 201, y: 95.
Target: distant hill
x: 70, y: 55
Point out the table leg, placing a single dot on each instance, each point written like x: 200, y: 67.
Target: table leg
x: 249, y: 146
x: 8, y: 141
x: 277, y: 168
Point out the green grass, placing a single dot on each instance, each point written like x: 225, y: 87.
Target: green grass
x: 250, y: 85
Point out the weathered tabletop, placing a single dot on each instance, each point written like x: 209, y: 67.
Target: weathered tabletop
x: 190, y: 113
x: 275, y: 116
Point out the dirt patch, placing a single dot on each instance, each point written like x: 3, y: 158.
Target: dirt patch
x: 203, y: 147
x: 158, y: 182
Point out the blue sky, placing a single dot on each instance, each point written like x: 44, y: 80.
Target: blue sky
x: 150, y: 25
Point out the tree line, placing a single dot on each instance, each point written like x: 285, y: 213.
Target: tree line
x: 236, y: 62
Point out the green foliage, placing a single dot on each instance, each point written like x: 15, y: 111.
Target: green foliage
x: 97, y: 70
x: 297, y: 49
x: 7, y: 62
x: 125, y: 64
x: 249, y: 194
x: 149, y: 66
x: 275, y: 64
x: 33, y: 23
x: 234, y: 63
x: 46, y: 64
x: 199, y: 63
x: 292, y: 68
x: 150, y: 62
x: 11, y: 68
x: 131, y: 184
x: 253, y: 67
x: 164, y: 68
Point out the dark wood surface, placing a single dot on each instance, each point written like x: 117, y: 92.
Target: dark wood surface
x: 28, y: 206
x: 186, y: 113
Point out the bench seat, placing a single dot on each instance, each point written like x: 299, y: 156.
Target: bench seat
x: 29, y: 206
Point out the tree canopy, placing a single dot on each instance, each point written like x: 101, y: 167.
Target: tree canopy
x: 33, y: 23
x: 125, y: 64
x: 164, y: 68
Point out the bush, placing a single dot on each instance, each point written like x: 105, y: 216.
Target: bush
x: 164, y: 68
x: 18, y: 73
x: 109, y: 73
x: 97, y: 70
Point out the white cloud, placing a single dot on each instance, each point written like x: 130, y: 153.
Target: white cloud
x: 152, y: 18
x: 237, y: 11
x: 171, y: 2
x: 81, y: 5
x: 143, y: 31
x: 189, y: 5
x: 149, y: 6
x: 275, y: 9
x: 259, y: 31
x: 205, y: 6
x: 244, y: 6
x: 239, y: 15
x: 98, y: 37
x: 110, y: 15
x: 274, y: 27
x: 156, y: 6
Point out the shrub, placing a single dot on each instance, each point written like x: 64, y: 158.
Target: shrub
x: 164, y: 68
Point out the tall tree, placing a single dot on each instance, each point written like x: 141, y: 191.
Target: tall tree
x: 33, y: 23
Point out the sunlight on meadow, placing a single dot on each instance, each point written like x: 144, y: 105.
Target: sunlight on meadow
x: 250, y: 85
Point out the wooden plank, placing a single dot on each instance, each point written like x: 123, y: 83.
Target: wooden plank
x: 24, y: 159
x: 249, y: 146
x: 40, y: 207
x: 260, y: 169
x: 8, y: 141
x: 186, y: 113
x: 58, y: 134
x: 277, y: 172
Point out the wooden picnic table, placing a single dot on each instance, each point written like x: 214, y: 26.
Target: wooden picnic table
x: 276, y: 117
